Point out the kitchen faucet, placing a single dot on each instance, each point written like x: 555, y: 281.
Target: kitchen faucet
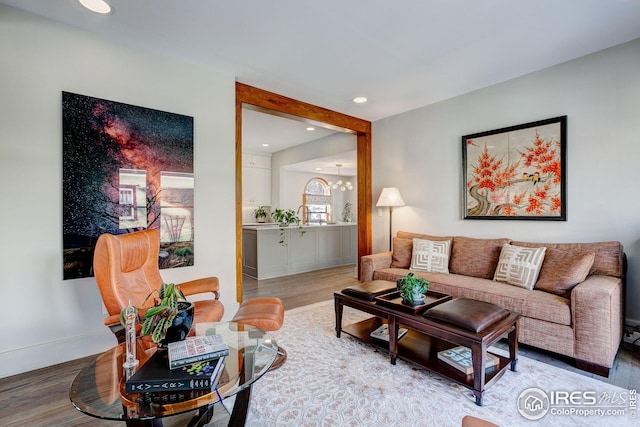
x: 306, y: 214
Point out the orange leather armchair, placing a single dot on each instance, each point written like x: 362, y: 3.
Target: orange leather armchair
x: 126, y: 269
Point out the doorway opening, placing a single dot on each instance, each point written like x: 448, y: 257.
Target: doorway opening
x: 258, y: 99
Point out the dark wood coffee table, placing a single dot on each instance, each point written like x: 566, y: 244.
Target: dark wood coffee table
x: 426, y: 337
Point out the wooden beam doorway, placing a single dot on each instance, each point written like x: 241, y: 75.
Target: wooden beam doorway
x: 262, y: 99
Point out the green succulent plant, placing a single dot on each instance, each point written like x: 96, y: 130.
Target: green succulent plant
x: 411, y: 285
x: 157, y: 319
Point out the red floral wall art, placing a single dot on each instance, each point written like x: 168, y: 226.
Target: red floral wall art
x: 517, y: 172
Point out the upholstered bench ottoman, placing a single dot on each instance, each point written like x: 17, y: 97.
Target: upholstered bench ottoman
x: 370, y: 290
x: 468, y: 314
x: 478, y: 325
x: 266, y: 313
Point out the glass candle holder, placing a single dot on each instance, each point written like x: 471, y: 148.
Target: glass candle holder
x: 130, y: 316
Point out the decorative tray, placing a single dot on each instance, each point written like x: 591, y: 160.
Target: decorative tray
x: 394, y: 300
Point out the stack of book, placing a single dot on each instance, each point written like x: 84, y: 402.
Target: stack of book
x: 193, y: 364
x: 382, y: 333
x: 460, y: 358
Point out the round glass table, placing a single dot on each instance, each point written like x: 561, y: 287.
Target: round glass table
x: 99, y: 388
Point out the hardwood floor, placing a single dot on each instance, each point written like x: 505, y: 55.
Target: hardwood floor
x: 41, y: 397
x: 302, y: 289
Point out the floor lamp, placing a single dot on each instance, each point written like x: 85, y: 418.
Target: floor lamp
x: 390, y: 197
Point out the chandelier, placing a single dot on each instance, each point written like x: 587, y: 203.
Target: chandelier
x: 343, y: 186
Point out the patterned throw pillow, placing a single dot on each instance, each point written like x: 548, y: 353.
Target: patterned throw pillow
x: 430, y: 255
x: 519, y: 266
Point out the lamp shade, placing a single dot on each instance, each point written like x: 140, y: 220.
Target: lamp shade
x: 390, y: 196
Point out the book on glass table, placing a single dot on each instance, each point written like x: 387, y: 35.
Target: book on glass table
x: 460, y: 358
x: 196, y: 349
x: 155, y: 375
x: 382, y: 332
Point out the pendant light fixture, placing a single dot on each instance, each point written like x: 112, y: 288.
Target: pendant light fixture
x: 339, y: 184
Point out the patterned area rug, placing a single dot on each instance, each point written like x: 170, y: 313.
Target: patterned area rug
x: 329, y: 381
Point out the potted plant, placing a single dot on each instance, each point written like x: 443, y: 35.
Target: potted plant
x: 260, y: 213
x: 169, y: 319
x: 285, y: 218
x: 412, y: 288
x: 346, y: 213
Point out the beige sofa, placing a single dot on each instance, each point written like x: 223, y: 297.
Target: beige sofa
x: 583, y: 321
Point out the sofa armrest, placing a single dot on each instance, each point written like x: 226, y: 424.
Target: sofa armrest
x: 597, y: 311
x: 370, y: 263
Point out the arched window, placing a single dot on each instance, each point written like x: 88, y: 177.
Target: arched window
x: 317, y: 202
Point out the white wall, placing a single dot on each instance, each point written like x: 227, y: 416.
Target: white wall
x: 292, y: 186
x: 420, y: 152
x: 334, y: 144
x: 48, y: 320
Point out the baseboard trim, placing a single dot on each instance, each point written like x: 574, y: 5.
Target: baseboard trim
x: 39, y: 356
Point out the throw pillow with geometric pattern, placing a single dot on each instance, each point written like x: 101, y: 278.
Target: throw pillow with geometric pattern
x: 430, y: 255
x: 519, y: 266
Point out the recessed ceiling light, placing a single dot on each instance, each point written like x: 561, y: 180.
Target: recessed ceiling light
x: 265, y: 145
x: 310, y: 128
x: 318, y: 169
x: 97, y: 6
x: 359, y: 99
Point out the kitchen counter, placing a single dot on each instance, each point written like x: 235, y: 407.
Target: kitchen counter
x: 273, y: 225
x: 269, y: 251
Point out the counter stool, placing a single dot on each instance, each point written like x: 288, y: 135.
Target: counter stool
x: 266, y: 313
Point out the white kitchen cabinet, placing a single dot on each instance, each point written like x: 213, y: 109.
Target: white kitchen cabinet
x: 256, y: 180
x: 256, y: 161
x: 263, y: 257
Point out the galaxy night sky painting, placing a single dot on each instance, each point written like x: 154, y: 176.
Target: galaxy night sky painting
x: 125, y: 169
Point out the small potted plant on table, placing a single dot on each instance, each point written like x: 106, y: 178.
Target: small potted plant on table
x: 169, y: 319
x: 413, y: 288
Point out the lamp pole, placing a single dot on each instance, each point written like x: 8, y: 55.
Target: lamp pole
x: 390, y: 228
x: 390, y: 196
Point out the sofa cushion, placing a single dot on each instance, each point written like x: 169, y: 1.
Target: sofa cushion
x: 608, y: 260
x: 391, y: 274
x: 519, y: 265
x: 475, y: 257
x: 430, y: 255
x: 401, y: 255
x: 535, y: 304
x: 562, y: 270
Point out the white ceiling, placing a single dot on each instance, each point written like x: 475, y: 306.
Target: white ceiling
x: 280, y: 133
x: 401, y: 55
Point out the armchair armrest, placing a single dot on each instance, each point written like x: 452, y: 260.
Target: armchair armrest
x: 201, y: 286
x: 597, y: 311
x: 370, y: 263
x: 113, y: 323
